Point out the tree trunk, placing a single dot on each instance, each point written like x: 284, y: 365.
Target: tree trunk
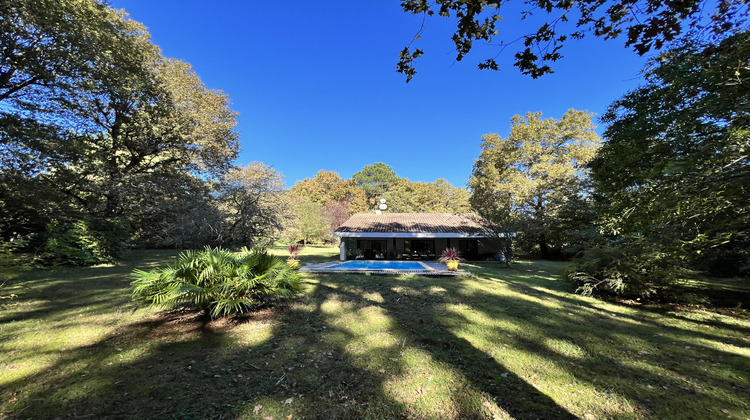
x: 543, y: 247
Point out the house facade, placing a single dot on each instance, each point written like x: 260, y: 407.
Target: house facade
x: 400, y: 236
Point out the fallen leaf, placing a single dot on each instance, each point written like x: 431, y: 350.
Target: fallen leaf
x: 288, y: 401
x: 504, y: 374
x: 642, y: 352
x: 486, y: 404
x: 257, y: 408
x: 289, y: 417
x: 382, y: 371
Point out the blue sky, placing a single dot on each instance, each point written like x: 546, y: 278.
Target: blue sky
x: 316, y: 87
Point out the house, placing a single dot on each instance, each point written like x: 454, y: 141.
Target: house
x: 397, y: 236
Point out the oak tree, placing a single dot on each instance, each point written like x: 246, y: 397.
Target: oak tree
x: 528, y: 178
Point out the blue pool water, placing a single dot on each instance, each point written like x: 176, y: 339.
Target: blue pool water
x: 380, y: 265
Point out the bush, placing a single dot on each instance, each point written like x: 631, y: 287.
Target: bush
x: 627, y: 270
x: 216, y: 281
x: 83, y: 242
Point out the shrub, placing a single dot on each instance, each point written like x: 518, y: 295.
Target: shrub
x: 83, y: 242
x: 627, y: 270
x: 216, y: 281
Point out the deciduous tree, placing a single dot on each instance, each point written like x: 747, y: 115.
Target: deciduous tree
x: 94, y: 114
x: 675, y: 169
x: 252, y: 203
x: 427, y: 197
x: 328, y: 187
x: 528, y: 178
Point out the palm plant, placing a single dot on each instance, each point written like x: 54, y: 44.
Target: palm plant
x: 216, y: 281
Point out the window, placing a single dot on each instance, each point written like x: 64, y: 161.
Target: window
x: 419, y: 248
x: 372, y: 248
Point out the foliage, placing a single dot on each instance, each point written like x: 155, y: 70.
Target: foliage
x: 337, y: 212
x: 631, y: 269
x: 328, y: 187
x: 675, y: 167
x: 216, y: 281
x: 450, y: 254
x: 376, y: 179
x: 427, y: 197
x: 501, y: 243
x: 11, y: 264
x: 648, y: 25
x: 308, y: 224
x: 83, y: 242
x: 51, y: 45
x: 526, y: 181
x: 252, y: 201
x: 96, y: 123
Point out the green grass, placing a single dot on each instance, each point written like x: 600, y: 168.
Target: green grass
x: 505, y: 343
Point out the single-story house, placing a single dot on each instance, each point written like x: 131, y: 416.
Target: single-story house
x: 397, y: 236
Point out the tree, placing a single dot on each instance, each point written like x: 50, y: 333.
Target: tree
x: 648, y: 25
x: 311, y: 224
x: 528, y: 178
x: 376, y: 179
x: 251, y: 198
x: 96, y: 119
x: 427, y: 197
x: 675, y: 170
x: 328, y: 187
x: 52, y: 45
x: 337, y: 212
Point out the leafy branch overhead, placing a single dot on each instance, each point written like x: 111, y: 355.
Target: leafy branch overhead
x: 647, y: 25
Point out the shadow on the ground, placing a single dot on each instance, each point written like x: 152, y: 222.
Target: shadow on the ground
x: 297, y: 359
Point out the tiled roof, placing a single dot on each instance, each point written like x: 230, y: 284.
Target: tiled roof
x: 413, y: 223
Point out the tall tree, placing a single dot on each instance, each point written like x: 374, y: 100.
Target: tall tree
x: 336, y: 212
x: 675, y: 168
x: 376, y: 179
x: 328, y: 187
x: 647, y: 24
x: 117, y: 133
x: 526, y: 179
x: 252, y: 201
x: 310, y: 224
x: 427, y: 197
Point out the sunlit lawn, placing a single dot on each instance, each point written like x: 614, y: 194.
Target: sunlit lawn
x: 505, y: 343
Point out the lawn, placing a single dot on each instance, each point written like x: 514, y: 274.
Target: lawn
x: 504, y: 343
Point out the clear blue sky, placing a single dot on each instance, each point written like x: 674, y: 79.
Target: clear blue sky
x: 316, y: 88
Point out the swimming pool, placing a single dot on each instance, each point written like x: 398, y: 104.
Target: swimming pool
x: 381, y: 265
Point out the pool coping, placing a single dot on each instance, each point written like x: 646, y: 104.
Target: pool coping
x: 431, y: 269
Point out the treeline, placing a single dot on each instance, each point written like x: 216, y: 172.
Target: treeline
x: 322, y: 203
x: 106, y: 143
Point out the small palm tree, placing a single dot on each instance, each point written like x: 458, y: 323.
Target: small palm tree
x: 216, y: 281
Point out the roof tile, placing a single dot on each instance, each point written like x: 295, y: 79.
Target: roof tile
x: 413, y: 223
